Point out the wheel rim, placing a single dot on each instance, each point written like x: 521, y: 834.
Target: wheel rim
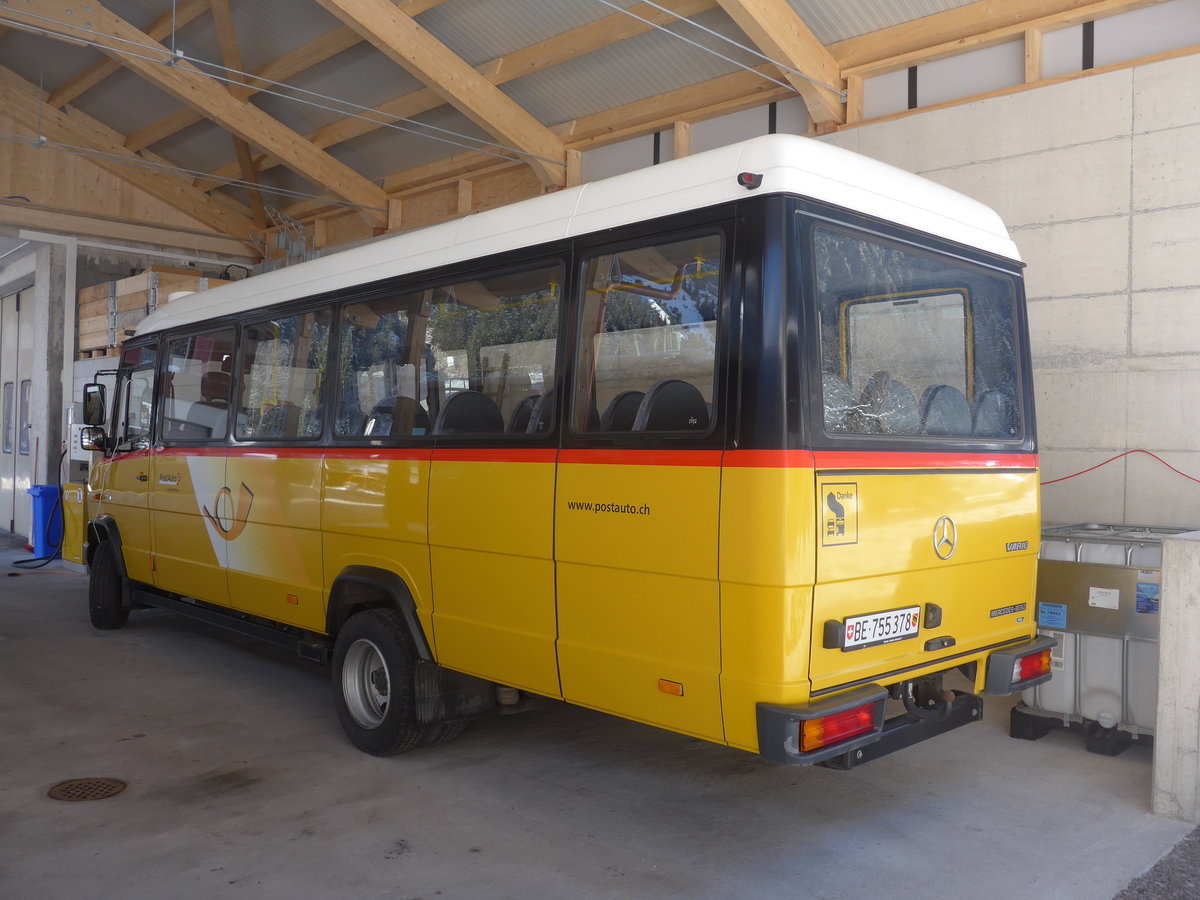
x: 366, y: 684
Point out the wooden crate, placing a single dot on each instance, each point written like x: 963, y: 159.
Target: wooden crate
x: 108, y: 312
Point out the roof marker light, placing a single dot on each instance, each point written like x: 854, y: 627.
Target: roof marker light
x: 749, y: 180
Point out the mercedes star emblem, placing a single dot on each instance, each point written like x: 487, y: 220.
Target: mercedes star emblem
x: 945, y: 537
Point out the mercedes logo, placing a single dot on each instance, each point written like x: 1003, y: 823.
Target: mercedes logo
x: 945, y: 537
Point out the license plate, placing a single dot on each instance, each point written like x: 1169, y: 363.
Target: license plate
x: 881, y: 628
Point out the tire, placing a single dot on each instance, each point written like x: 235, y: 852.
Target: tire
x: 105, y: 590
x: 373, y: 666
x: 445, y: 732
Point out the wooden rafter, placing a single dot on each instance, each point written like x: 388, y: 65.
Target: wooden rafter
x: 410, y: 46
x: 291, y: 63
x: 588, y: 38
x: 188, y: 84
x: 231, y: 56
x: 781, y: 35
x: 183, y: 13
x: 23, y: 102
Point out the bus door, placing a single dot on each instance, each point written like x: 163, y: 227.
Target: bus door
x: 926, y: 486
x: 638, y: 498
x: 124, y: 478
x: 193, y: 512
x: 269, y: 514
x: 494, y: 343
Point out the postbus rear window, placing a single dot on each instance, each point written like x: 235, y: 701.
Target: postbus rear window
x: 913, y: 344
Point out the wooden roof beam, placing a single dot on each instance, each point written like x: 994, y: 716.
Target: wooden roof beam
x: 410, y: 46
x: 23, y: 102
x: 184, y: 12
x: 191, y: 86
x: 781, y: 35
x: 585, y: 39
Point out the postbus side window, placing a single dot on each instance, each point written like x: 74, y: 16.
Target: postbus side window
x: 648, y: 338
x: 493, y: 341
x: 382, y: 369
x: 196, y: 386
x: 283, y: 365
x: 913, y: 344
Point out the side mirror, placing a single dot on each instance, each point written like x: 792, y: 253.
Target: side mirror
x: 93, y: 404
x: 91, y: 437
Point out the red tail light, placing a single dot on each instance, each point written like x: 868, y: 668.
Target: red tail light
x: 1031, y: 666
x: 817, y: 733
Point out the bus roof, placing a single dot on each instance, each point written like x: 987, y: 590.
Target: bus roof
x: 789, y: 164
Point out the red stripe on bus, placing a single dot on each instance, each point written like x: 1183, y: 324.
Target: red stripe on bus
x: 497, y: 455
x: 769, y: 459
x: 854, y: 459
x: 698, y: 458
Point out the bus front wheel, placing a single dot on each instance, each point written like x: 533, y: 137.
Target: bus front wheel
x: 105, y: 589
x: 373, y: 667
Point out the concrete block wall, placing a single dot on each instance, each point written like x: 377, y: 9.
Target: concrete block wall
x: 1099, y: 181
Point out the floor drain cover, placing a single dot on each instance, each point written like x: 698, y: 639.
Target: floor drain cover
x: 87, y: 789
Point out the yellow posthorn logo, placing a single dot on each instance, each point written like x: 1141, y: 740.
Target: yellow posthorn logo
x: 228, y: 522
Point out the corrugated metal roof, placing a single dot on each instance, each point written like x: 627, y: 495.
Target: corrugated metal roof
x: 644, y: 66
x: 481, y: 30
x: 43, y: 61
x: 388, y: 150
x: 833, y: 22
x: 360, y: 75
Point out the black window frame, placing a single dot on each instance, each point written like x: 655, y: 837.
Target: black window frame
x: 722, y: 221
x: 809, y: 215
x: 197, y: 329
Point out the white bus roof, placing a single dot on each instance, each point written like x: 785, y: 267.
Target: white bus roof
x: 789, y: 164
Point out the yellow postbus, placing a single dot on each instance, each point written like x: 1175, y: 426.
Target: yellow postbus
x: 741, y: 446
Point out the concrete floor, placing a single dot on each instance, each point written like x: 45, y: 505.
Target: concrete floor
x: 241, y: 785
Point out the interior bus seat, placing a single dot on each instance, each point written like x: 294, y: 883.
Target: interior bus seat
x: 621, y: 411
x: 890, y: 406
x: 211, y: 411
x: 994, y: 415
x: 841, y: 406
x: 542, y: 415
x: 672, y: 405
x: 469, y: 412
x: 944, y: 410
x: 381, y: 421
x: 518, y: 423
x: 279, y: 421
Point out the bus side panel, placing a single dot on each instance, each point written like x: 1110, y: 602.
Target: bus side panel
x: 768, y: 560
x: 124, y: 485
x: 491, y: 544
x: 878, y: 554
x: 638, y: 600
x: 187, y: 508
x: 376, y: 513
x: 274, y: 538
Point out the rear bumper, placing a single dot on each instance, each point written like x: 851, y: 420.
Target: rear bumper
x: 779, y: 729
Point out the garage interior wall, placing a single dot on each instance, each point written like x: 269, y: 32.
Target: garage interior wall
x: 1097, y: 179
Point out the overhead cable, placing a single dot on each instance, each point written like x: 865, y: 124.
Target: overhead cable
x: 784, y: 66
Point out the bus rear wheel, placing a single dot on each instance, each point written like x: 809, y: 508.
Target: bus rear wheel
x: 105, y: 590
x: 373, y: 667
